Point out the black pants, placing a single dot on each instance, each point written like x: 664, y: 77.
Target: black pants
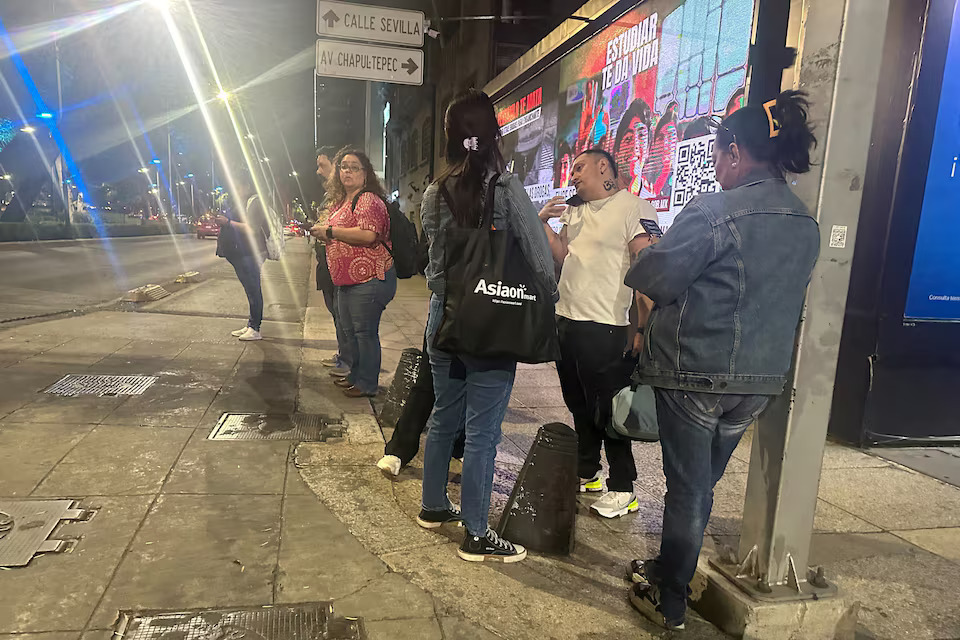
x: 405, y: 442
x: 592, y: 371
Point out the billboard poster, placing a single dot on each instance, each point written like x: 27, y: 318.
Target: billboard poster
x: 934, y: 292
x: 643, y: 89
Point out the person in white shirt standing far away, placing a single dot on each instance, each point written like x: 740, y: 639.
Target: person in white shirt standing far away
x: 601, y: 234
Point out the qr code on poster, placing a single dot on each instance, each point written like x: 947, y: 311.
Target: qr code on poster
x: 693, y: 171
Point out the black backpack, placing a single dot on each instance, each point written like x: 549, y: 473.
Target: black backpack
x: 403, y: 235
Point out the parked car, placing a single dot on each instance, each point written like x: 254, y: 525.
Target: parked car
x: 207, y: 226
x: 293, y: 228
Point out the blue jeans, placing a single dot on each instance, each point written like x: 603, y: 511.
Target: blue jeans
x: 471, y: 396
x: 248, y: 272
x: 361, y: 306
x: 698, y: 433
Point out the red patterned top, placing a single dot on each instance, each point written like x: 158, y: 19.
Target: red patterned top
x: 355, y: 265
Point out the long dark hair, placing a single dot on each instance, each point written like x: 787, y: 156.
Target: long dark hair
x: 789, y: 150
x: 335, y: 189
x: 470, y: 115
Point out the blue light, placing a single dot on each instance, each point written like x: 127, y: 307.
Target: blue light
x: 155, y: 161
x: 45, y: 115
x: 189, y: 175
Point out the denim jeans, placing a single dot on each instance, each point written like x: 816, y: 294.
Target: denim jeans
x: 248, y: 272
x: 332, y: 300
x: 361, y: 306
x: 698, y: 433
x: 471, y: 396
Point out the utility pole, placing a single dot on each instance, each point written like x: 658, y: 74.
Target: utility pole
x: 59, y: 162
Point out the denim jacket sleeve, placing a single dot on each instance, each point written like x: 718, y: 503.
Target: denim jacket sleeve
x: 525, y: 223
x: 663, y: 271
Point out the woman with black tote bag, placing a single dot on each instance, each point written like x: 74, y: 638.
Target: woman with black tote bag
x: 479, y: 221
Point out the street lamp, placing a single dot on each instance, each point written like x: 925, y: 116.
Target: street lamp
x: 28, y: 129
x: 7, y: 176
x: 45, y: 115
x: 224, y: 95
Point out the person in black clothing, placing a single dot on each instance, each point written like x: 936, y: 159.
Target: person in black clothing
x: 243, y: 242
x: 405, y: 442
x: 340, y: 366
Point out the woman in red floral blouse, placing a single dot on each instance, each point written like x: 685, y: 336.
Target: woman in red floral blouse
x: 358, y: 254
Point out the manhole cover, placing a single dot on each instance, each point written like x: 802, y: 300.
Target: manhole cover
x: 262, y: 426
x: 96, y: 385
x: 25, y: 525
x: 314, y: 621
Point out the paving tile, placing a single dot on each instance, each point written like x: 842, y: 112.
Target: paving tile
x: 411, y: 629
x: 116, y: 461
x: 339, y: 453
x: 389, y: 597
x: 196, y: 552
x: 319, y: 559
x: 892, y: 497
x: 164, y: 405
x: 60, y: 590
x: 942, y: 542
x: 537, y: 378
x: 838, y: 456
x: 81, y: 351
x: 46, y: 635
x: 537, y: 397
x: 29, y: 452
x: 51, y: 409
x: 215, y: 467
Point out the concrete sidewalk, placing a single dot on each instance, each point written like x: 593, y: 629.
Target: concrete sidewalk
x: 181, y: 521
x: 185, y: 522
x: 887, y: 535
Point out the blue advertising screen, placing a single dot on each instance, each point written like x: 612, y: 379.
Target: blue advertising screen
x: 934, y: 292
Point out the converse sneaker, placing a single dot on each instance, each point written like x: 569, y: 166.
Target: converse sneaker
x: 641, y: 571
x: 645, y: 598
x: 250, y: 334
x: 592, y: 485
x: 434, y: 519
x: 490, y: 547
x: 390, y: 465
x: 239, y: 332
x: 614, y: 504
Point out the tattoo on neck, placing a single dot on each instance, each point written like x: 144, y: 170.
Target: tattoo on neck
x: 609, y: 185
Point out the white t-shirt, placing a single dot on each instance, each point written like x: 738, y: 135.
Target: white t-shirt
x: 598, y: 232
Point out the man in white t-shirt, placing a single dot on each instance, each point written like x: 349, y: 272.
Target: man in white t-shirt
x: 593, y: 250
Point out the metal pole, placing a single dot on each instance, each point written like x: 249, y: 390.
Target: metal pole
x: 789, y: 438
x: 193, y: 202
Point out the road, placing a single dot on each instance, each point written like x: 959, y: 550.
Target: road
x: 49, y: 277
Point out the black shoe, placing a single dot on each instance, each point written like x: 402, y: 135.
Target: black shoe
x: 645, y: 598
x: 434, y: 519
x: 642, y: 571
x: 490, y: 547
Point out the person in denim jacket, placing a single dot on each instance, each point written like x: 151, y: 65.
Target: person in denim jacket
x: 728, y: 281
x: 472, y: 393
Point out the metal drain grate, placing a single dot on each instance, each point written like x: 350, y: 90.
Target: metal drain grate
x: 262, y: 426
x: 314, y: 621
x: 95, y: 385
x: 25, y: 525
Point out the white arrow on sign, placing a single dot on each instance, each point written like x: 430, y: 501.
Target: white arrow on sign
x: 369, y: 62
x: 365, y: 22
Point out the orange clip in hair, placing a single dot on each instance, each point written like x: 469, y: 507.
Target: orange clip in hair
x: 774, y: 123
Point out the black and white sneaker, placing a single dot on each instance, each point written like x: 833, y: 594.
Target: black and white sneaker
x: 645, y: 598
x: 641, y: 571
x: 490, y: 547
x: 435, y: 519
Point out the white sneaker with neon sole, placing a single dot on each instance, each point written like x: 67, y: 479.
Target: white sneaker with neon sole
x: 250, y: 334
x: 239, y: 332
x: 614, y: 504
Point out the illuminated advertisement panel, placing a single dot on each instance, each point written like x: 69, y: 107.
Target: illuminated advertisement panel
x: 934, y: 292
x: 642, y: 89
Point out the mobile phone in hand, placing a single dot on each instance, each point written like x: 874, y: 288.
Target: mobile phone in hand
x: 651, y: 227
x: 555, y: 224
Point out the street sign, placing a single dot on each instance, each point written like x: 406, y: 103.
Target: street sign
x: 365, y: 22
x: 369, y: 62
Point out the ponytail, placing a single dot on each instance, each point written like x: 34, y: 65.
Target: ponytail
x: 777, y: 133
x: 795, y: 139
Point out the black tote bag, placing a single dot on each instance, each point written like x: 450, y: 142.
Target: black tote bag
x: 495, y: 307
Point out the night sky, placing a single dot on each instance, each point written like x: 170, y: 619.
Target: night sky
x: 118, y: 57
